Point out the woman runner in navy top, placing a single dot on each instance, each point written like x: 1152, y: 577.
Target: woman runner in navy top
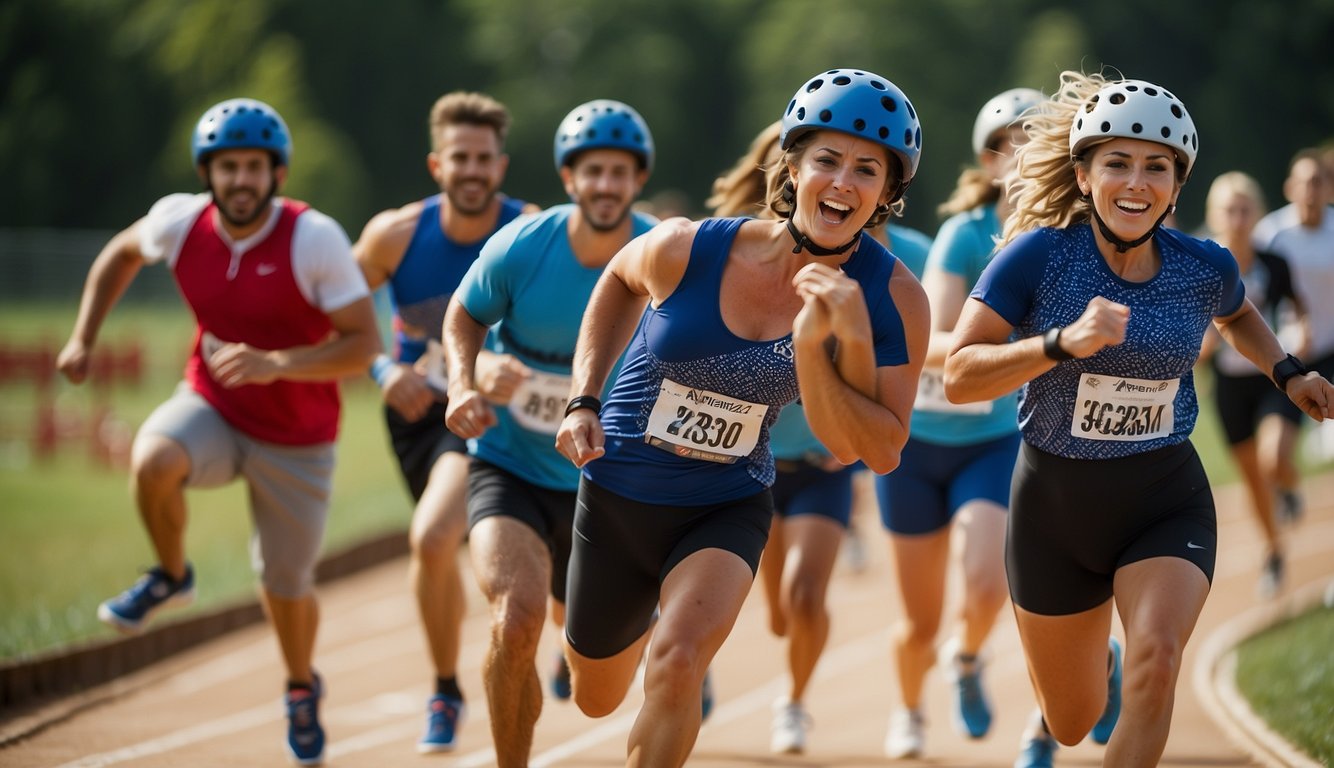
x: 742, y: 316
x: 1098, y: 313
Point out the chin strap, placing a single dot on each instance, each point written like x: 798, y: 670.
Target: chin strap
x: 816, y: 250
x: 1124, y: 245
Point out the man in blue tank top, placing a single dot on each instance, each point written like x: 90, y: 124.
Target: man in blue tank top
x: 529, y: 287
x: 422, y: 251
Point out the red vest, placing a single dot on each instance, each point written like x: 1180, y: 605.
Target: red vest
x: 262, y: 306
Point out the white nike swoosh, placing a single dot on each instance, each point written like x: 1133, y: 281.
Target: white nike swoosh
x: 1193, y: 545
x: 265, y: 269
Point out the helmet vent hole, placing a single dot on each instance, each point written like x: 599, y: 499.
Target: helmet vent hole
x: 1079, y: 123
x: 1106, y: 126
x: 1117, y: 98
x: 907, y: 137
x: 801, y: 113
x: 266, y: 133
x: 1176, y: 110
x: 1132, y: 87
x: 842, y: 80
x: 1089, y: 107
x: 814, y: 86
x: 883, y: 132
x: 1151, y: 91
x: 1136, y: 128
x: 889, y: 104
x: 911, y: 113
x: 859, y: 124
x: 1167, y: 132
x: 616, y: 133
x: 879, y: 86
x: 826, y: 115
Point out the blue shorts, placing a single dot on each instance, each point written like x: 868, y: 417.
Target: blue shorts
x: 933, y: 481
x: 801, y: 488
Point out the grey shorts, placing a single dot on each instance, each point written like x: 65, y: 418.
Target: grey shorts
x: 289, y: 486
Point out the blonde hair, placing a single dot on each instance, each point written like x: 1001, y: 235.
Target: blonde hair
x: 1232, y: 182
x: 740, y: 191
x: 974, y: 188
x: 1046, y: 192
x: 463, y: 107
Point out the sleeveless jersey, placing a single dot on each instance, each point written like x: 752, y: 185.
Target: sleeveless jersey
x: 687, y: 421
x: 426, y: 278
x: 529, y: 287
x: 963, y: 247
x: 1130, y: 398
x: 260, y: 305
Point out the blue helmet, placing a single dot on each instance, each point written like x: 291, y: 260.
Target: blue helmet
x: 241, y: 124
x: 603, y: 124
x: 862, y: 104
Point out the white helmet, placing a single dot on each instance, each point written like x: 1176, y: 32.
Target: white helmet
x: 1002, y: 111
x: 1134, y: 109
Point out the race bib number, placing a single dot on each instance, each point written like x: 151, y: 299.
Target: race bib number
x: 539, y: 402
x: 432, y: 366
x: 699, y: 424
x: 1117, y: 408
x: 931, y: 397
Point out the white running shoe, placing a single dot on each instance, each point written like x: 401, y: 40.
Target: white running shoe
x: 791, y: 721
x: 907, y: 734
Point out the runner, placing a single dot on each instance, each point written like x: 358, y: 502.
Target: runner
x: 674, y: 507
x: 281, y: 313
x: 529, y: 287
x: 1098, y: 313
x: 421, y: 250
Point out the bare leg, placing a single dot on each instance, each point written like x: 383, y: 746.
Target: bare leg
x: 771, y: 576
x: 513, y: 568
x: 1067, y: 663
x: 438, y: 525
x: 295, y: 621
x: 919, y: 563
x: 159, y: 468
x: 812, y: 550
x: 981, y: 528
x: 1260, y: 485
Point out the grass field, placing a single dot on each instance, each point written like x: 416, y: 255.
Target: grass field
x: 1287, y: 673
x: 69, y: 534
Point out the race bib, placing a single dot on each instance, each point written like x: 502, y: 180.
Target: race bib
x: 539, y: 402
x: 699, y: 424
x: 432, y: 366
x: 1117, y: 408
x: 931, y: 397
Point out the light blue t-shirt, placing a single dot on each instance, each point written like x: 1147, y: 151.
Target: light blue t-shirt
x: 1132, y: 397
x: 964, y: 247
x: 528, y: 285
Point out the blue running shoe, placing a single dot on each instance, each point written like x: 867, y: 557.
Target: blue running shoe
x: 129, y: 611
x: 444, y: 715
x: 560, y: 678
x: 971, y: 709
x: 1036, y: 751
x: 706, y: 697
x: 1102, y: 730
x: 305, y: 736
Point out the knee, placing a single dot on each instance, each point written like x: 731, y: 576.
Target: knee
x: 986, y: 593
x: 917, y: 633
x: 671, y: 675
x: 435, y: 543
x: 156, y: 462
x: 516, y: 625
x: 289, y: 581
x: 805, y: 602
x: 1152, y: 668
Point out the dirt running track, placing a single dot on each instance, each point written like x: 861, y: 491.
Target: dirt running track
x: 218, y: 705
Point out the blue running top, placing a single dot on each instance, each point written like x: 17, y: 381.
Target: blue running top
x: 687, y: 421
x: 1126, y: 399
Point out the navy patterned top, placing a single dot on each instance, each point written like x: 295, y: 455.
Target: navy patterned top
x: 1130, y: 398
x: 687, y: 420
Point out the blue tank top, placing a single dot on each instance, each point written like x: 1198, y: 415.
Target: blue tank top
x: 682, y: 349
x: 426, y: 278
x: 529, y: 287
x: 1126, y: 399
x: 963, y: 247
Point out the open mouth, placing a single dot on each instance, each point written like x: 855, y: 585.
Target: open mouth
x: 1132, y: 206
x: 835, y: 211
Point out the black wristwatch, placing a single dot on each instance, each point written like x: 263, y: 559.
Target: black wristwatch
x: 1285, y: 369
x: 583, y: 401
x: 1051, y: 344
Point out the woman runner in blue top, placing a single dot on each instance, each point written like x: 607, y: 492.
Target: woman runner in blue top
x: 1098, y: 313
x: 743, y: 315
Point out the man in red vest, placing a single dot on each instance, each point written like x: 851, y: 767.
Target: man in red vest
x: 282, y: 312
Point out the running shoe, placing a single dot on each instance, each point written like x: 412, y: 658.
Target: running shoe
x: 791, y: 721
x: 1037, y: 750
x: 907, y: 734
x: 305, y: 736
x: 129, y: 611
x: 560, y: 678
x: 1271, y: 577
x: 1102, y: 730
x: 1290, y: 507
x: 971, y: 709
x: 444, y: 715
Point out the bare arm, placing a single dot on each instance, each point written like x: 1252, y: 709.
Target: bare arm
x: 859, y: 410
x: 946, y: 293
x: 112, y: 272
x: 1246, y: 331
x: 380, y: 249
x: 468, y: 413
x: 984, y: 364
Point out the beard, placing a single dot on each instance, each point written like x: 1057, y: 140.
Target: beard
x: 463, y: 202
x: 241, y: 220
x: 604, y: 222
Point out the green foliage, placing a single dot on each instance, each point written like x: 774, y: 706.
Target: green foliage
x: 1287, y: 675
